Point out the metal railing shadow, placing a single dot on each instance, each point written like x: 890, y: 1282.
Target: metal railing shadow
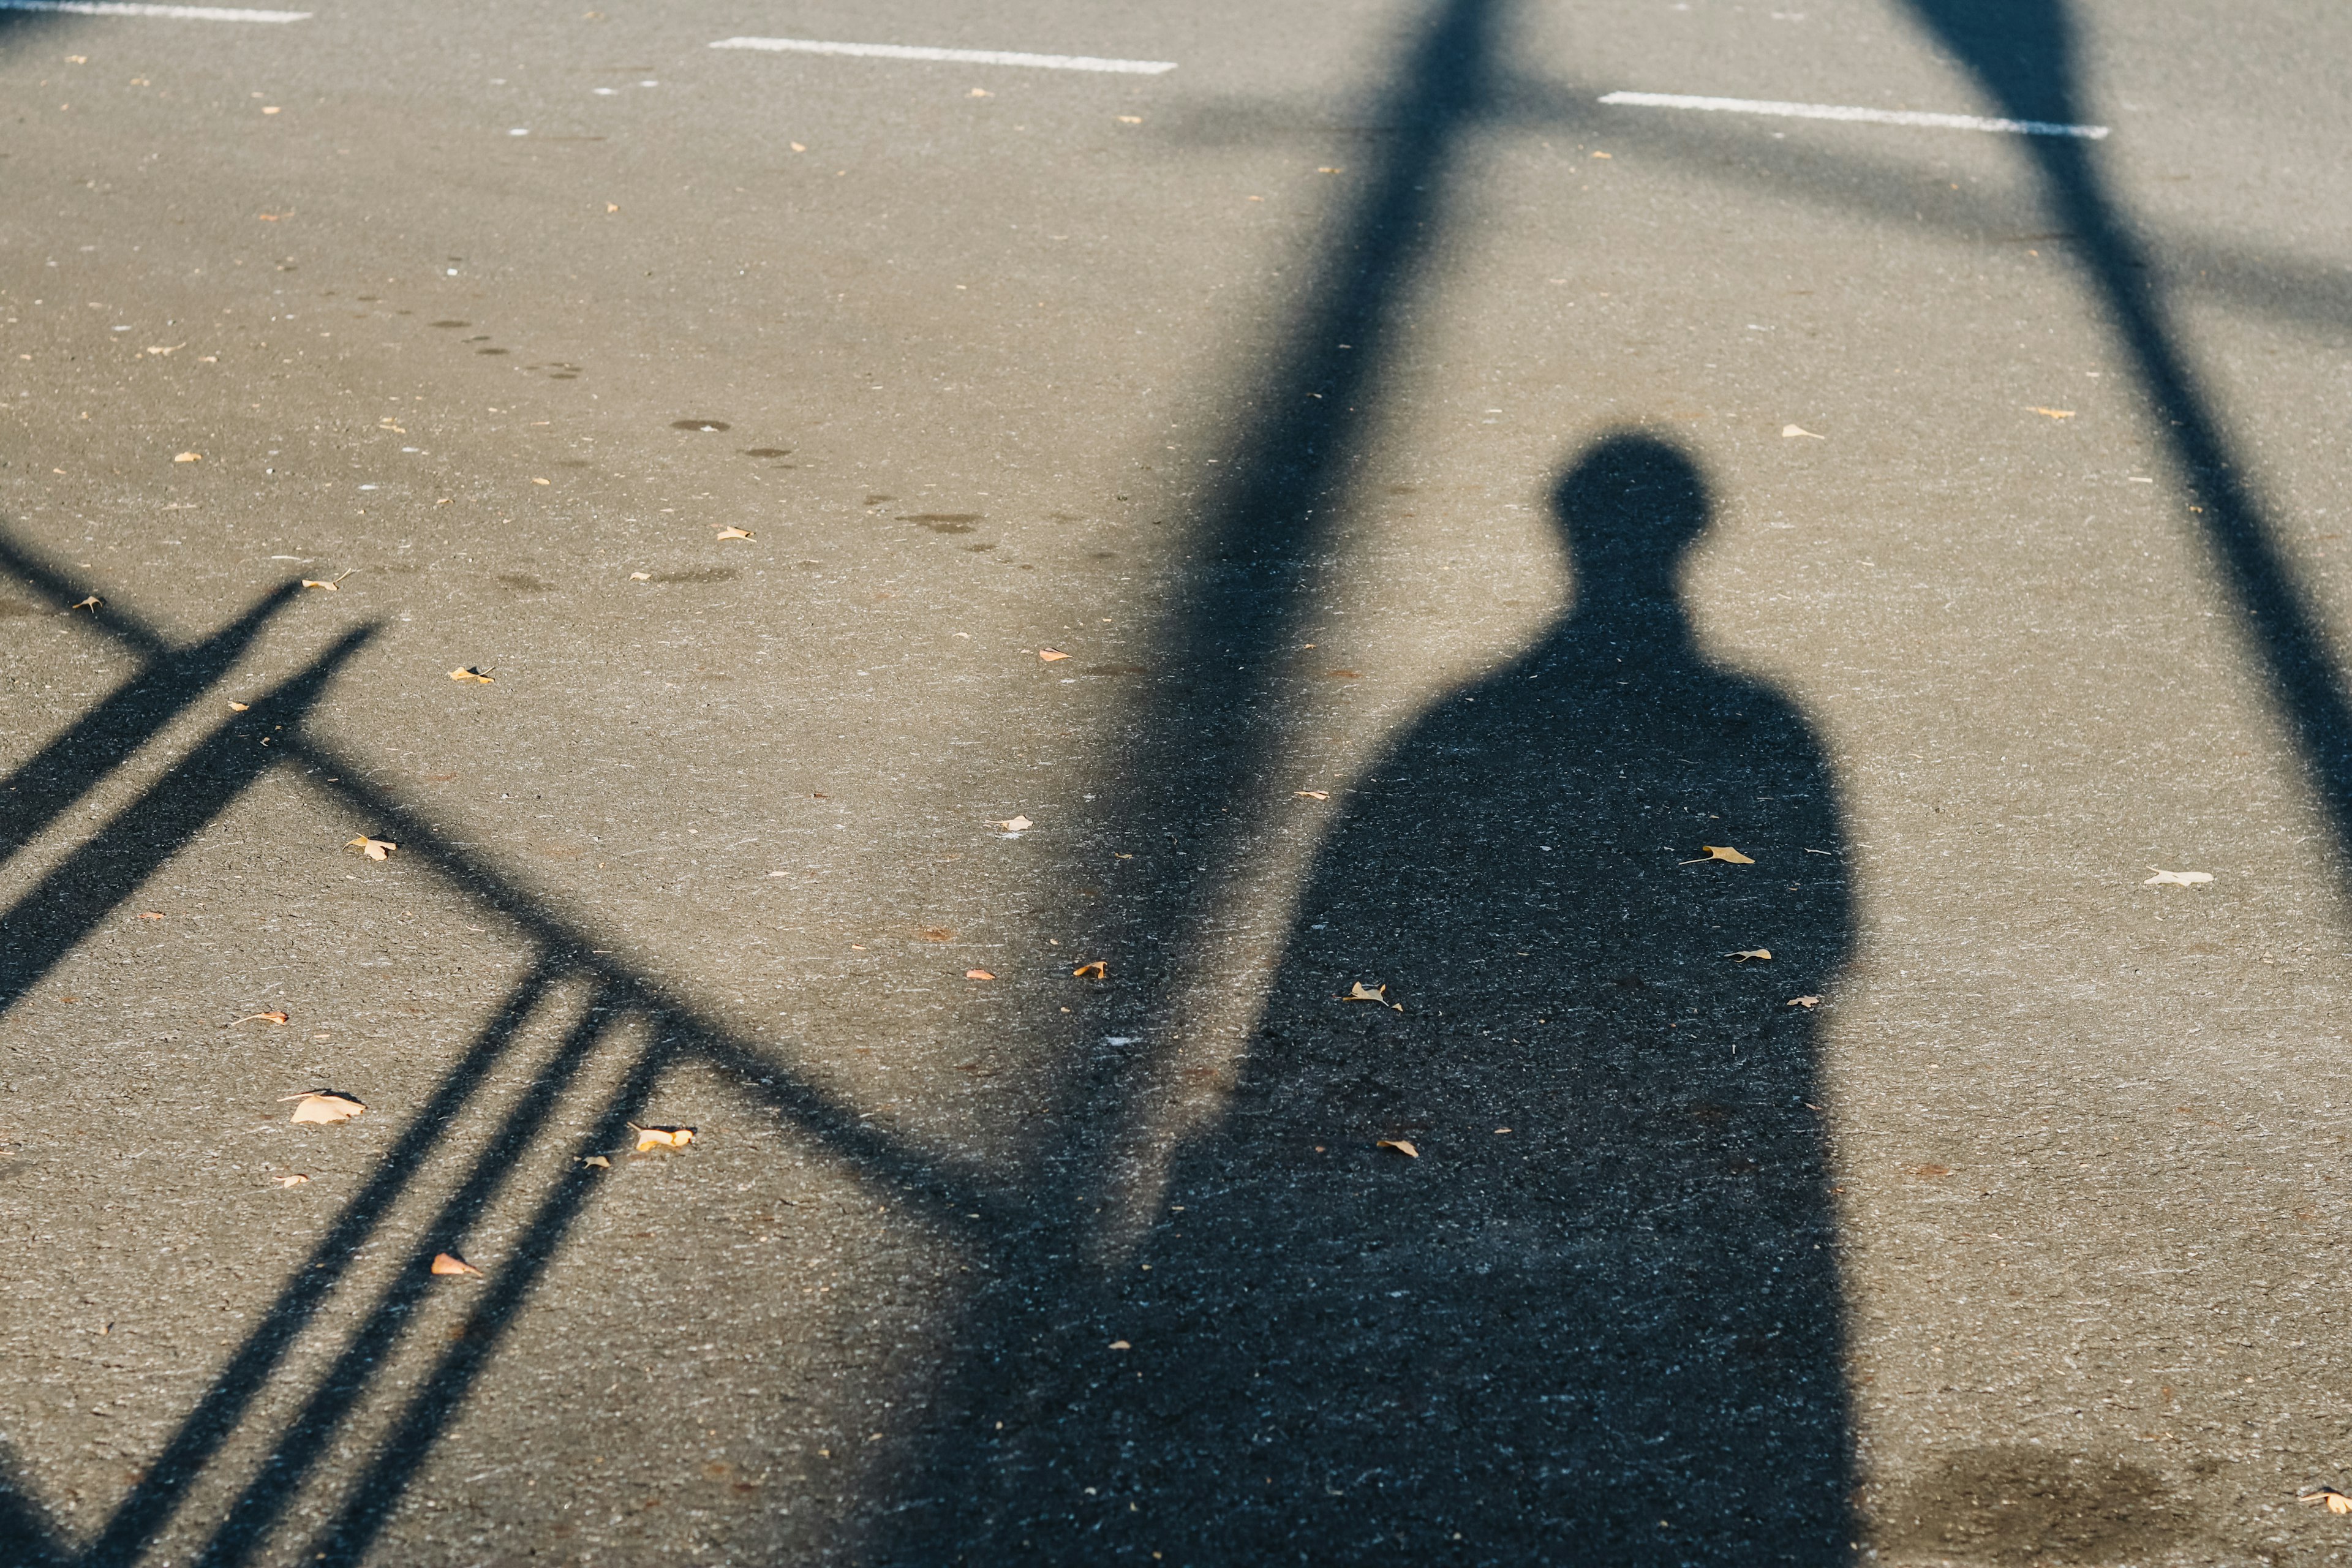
x: 104, y: 871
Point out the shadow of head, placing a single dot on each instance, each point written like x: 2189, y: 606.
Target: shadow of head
x: 1629, y: 509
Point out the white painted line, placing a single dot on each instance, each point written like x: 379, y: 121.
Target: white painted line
x: 170, y: 12
x: 951, y: 57
x: 1871, y: 116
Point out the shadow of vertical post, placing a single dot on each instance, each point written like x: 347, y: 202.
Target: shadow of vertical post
x: 2023, y: 53
x: 1204, y: 741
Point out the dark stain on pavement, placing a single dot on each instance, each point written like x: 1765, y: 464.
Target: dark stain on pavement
x: 2020, y: 1504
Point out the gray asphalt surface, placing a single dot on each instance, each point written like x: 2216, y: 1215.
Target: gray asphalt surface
x: 1340, y: 493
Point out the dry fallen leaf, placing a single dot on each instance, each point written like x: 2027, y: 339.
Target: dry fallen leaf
x: 329, y: 587
x: 641, y: 576
x: 541, y: 481
x: 978, y: 974
x: 291, y: 1181
x: 1360, y: 993
x: 1751, y: 953
x: 2177, y: 878
x: 598, y: 1161
x: 324, y: 1107
x: 450, y: 1263
x: 258, y: 1018
x: 661, y: 1137
x: 473, y: 672
x: 1015, y: 824
x: 1312, y: 794
x: 2335, y: 1501
x: 1051, y: 654
x: 189, y: 458
x: 1789, y: 432
x: 733, y: 533
x: 1723, y: 852
x: 1402, y: 1145
x: 2053, y: 412
x: 239, y: 707
x: 1808, y: 1003
x: 373, y: 848
x: 151, y: 915
x: 93, y: 605
x: 1121, y: 1345
x: 1093, y: 971
x: 1131, y: 119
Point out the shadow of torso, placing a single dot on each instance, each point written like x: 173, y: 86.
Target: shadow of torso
x: 1611, y: 1333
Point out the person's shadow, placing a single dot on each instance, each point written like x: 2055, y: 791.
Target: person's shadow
x: 1592, y: 1314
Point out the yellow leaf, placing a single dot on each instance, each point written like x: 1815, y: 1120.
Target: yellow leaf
x: 450, y: 1263
x: 540, y: 481
x: 1121, y: 1345
x: 661, y: 1137
x: 373, y: 848
x: 294, y: 1181
x: 2053, y: 412
x: 611, y: 206
x: 1751, y: 953
x: 978, y: 974
x: 239, y: 707
x: 93, y: 603
x: 1362, y: 993
x: 329, y: 587
x: 641, y: 576
x: 1131, y: 119
x: 324, y: 1107
x: 473, y: 672
x: 151, y: 915
x: 733, y: 533
x: 1402, y: 1145
x: 1051, y: 654
x: 1808, y: 1003
x: 1791, y: 432
x: 598, y: 1161
x: 1723, y: 852
x: 189, y: 458
x: 1094, y: 971
x: 2334, y: 1500
x: 2177, y: 878
x: 259, y: 1018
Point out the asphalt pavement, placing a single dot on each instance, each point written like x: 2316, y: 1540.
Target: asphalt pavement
x: 1194, y: 785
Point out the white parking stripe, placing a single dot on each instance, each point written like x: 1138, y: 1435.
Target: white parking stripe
x: 173, y: 13
x: 952, y: 57
x: 1872, y: 116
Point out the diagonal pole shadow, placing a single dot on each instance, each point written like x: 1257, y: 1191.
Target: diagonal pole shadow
x: 2023, y: 53
x: 1216, y: 724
